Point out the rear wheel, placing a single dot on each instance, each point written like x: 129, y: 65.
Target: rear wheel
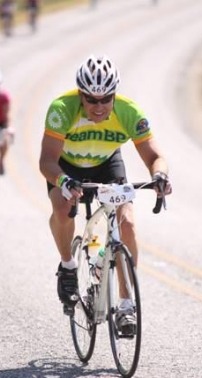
x: 82, y: 327
x: 125, y: 346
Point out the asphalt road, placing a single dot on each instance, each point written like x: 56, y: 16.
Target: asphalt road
x: 154, y: 48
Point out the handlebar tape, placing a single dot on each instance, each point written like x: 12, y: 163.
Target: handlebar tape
x: 158, y: 205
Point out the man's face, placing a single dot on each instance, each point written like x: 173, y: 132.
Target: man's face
x: 97, y: 108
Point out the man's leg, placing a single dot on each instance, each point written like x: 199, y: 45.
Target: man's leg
x: 127, y: 228
x: 3, y: 151
x: 126, y: 317
x: 128, y: 237
x: 62, y: 228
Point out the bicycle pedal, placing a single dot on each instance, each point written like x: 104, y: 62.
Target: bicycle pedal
x: 128, y: 330
x: 68, y: 309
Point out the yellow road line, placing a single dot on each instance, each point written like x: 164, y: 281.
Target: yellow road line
x: 171, y: 258
x: 171, y: 282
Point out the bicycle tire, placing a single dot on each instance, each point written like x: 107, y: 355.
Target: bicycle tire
x: 83, y: 329
x: 125, y: 349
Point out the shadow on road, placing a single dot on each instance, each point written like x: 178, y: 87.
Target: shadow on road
x: 47, y: 368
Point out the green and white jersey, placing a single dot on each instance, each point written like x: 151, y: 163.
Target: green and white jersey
x: 88, y: 144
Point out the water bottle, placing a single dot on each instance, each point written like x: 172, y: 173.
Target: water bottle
x: 99, y: 262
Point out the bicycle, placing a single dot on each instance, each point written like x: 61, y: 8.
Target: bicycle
x: 98, y: 297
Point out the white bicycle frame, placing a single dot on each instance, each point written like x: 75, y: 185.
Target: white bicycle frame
x: 111, y: 196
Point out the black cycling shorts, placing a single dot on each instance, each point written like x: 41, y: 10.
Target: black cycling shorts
x: 111, y: 170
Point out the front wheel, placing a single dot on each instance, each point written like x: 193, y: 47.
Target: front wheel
x: 125, y: 345
x: 83, y: 328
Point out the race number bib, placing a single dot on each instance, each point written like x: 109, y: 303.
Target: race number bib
x: 116, y: 194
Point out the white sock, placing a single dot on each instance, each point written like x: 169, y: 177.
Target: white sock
x: 125, y: 303
x: 71, y: 264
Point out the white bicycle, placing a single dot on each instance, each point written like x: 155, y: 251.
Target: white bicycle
x: 98, y: 299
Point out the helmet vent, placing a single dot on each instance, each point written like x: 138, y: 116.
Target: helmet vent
x: 99, y: 77
x: 109, y: 63
x: 109, y: 81
x: 88, y: 81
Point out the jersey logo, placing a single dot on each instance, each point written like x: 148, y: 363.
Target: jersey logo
x: 106, y: 135
x: 55, y: 120
x: 142, y: 126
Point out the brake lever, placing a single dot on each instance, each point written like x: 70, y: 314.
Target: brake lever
x: 160, y: 201
x: 74, y: 210
x: 158, y: 205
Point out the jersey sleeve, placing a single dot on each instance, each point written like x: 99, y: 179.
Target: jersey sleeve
x: 142, y: 131
x: 56, y: 122
x: 61, y: 114
x: 133, y: 119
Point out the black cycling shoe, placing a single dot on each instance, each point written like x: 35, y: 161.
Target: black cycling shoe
x: 67, y: 286
x: 126, y: 322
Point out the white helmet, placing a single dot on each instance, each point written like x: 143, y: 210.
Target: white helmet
x: 97, y: 76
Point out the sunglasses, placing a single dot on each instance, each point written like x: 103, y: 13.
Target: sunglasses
x: 93, y: 100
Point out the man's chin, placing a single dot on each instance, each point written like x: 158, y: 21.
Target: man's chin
x: 98, y: 119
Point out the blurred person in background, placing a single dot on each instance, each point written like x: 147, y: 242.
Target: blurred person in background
x: 93, y: 3
x: 32, y: 7
x: 7, y: 13
x: 6, y: 131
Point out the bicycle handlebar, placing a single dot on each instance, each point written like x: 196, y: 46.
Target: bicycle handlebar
x: 159, y: 200
x: 92, y: 187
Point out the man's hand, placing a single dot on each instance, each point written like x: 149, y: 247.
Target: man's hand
x: 162, y: 185
x: 69, y: 187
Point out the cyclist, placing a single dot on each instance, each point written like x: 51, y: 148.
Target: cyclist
x: 6, y: 132
x: 32, y: 7
x: 84, y: 130
x: 7, y: 11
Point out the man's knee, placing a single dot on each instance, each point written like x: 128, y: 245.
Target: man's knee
x: 128, y: 225
x: 61, y: 207
x: 61, y: 216
x: 126, y: 217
